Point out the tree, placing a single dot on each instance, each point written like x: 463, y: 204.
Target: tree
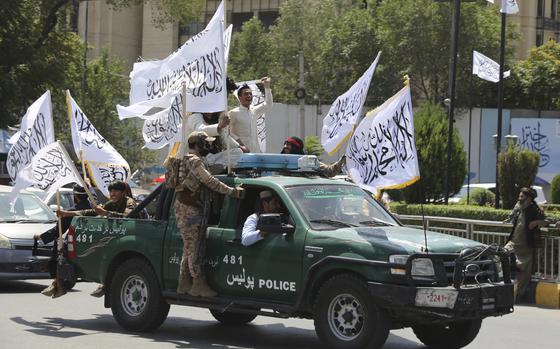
x: 415, y: 38
x: 250, y: 54
x: 555, y: 189
x: 107, y: 86
x: 39, y: 50
x: 536, y: 80
x: 430, y: 133
x: 312, y: 146
x: 517, y: 168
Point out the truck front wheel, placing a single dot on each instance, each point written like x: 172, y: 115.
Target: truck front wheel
x: 345, y: 315
x: 454, y: 335
x: 136, y: 300
x: 231, y: 318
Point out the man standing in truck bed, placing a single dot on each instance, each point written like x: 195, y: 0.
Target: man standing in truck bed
x: 192, y: 185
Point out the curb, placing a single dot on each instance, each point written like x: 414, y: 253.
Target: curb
x: 544, y: 294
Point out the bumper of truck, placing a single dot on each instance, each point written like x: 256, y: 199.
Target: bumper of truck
x: 471, y: 302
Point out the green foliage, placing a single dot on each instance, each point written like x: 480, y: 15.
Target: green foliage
x: 415, y: 40
x: 107, y: 86
x: 517, y: 168
x: 480, y: 197
x: 32, y: 62
x: 430, y: 132
x: 312, y: 146
x: 535, y: 81
x: 457, y: 211
x: 250, y: 43
x: 555, y: 189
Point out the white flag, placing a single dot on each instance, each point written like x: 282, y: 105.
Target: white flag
x: 199, y: 63
x: 258, y: 99
x: 104, y: 163
x: 486, y: 69
x: 382, y: 152
x: 345, y: 111
x: 165, y: 127
x: 227, y: 42
x: 49, y: 170
x: 509, y: 6
x: 36, y: 131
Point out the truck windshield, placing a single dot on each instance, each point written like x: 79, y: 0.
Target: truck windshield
x: 338, y: 206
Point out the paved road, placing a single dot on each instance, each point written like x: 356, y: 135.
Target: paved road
x: 29, y: 320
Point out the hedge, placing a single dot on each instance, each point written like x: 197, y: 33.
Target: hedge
x: 461, y: 211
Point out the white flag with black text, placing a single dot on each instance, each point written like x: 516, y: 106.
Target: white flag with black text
x: 104, y: 163
x: 345, y: 111
x: 49, y: 170
x: 36, y: 131
x: 486, y: 69
x: 382, y: 153
x: 165, y: 127
x: 508, y: 6
x: 200, y: 63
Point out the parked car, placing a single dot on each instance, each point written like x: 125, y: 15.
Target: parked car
x: 28, y: 217
x: 66, y: 197
x: 541, y: 199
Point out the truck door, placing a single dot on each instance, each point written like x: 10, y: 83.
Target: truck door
x: 268, y: 270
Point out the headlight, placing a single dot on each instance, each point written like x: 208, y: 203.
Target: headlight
x: 5, y: 242
x: 422, y: 267
x: 399, y: 259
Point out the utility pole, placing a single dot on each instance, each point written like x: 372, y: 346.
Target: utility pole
x: 302, y: 99
x: 500, y: 105
x: 451, y: 92
x: 84, y: 79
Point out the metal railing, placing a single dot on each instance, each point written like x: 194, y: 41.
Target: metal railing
x: 547, y: 262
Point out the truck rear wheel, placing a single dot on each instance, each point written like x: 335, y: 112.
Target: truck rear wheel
x: 136, y: 300
x: 231, y: 318
x: 454, y: 335
x: 345, y: 315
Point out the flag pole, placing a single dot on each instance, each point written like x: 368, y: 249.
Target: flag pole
x: 226, y: 97
x: 77, y: 174
x: 500, y: 105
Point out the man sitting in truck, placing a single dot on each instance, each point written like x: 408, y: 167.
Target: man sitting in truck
x: 294, y: 145
x: 269, y: 203
x: 56, y: 288
x: 192, y: 188
x: 119, y: 205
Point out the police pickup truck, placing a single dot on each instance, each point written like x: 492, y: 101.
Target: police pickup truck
x: 335, y: 255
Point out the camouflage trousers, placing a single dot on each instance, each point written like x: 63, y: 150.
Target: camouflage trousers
x: 189, y: 220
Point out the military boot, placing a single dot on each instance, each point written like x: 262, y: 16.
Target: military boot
x: 49, y: 291
x: 201, y: 289
x: 185, y: 283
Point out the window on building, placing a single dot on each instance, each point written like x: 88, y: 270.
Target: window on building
x: 237, y: 19
x: 540, y: 38
x: 553, y: 8
x: 540, y: 8
x: 268, y: 17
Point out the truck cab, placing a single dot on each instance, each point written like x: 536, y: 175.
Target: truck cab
x: 333, y: 254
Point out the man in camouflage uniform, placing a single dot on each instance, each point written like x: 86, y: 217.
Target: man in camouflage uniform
x: 194, y: 182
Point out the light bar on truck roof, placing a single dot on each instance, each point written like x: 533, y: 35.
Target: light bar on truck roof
x: 278, y: 162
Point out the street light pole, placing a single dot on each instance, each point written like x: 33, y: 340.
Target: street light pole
x: 500, y: 105
x: 452, y: 78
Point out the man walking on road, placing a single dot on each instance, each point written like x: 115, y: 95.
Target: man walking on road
x: 523, y: 240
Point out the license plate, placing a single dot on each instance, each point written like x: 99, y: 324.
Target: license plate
x: 429, y: 297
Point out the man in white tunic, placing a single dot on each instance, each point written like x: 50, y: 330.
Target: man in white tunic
x: 244, y: 118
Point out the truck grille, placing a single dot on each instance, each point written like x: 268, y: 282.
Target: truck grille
x: 474, y: 272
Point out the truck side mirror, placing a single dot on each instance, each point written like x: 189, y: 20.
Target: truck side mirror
x: 272, y: 223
